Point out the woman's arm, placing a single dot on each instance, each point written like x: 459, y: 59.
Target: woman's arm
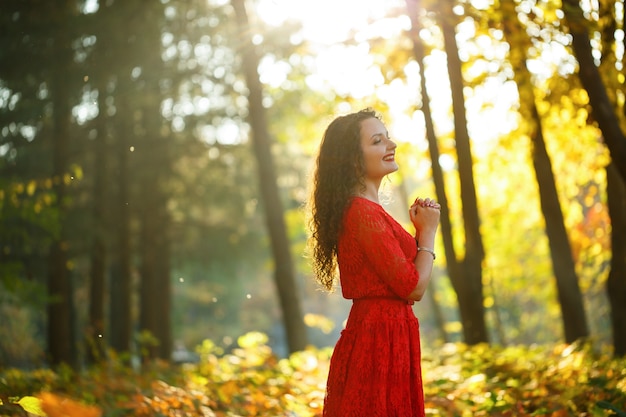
x: 425, y: 217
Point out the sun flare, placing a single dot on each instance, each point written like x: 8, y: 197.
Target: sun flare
x: 325, y: 21
x: 339, y: 30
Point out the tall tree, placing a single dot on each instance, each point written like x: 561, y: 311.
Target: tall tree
x: 614, y: 75
x: 61, y: 309
x: 465, y: 274
x: 28, y: 214
x: 563, y: 266
x: 154, y: 170
x: 96, y: 327
x: 454, y: 268
x: 40, y: 123
x: 99, y: 74
x: 121, y: 288
x: 273, y: 208
x: 120, y: 58
x: 602, y: 108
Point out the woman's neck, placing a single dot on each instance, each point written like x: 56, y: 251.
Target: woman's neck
x: 370, y: 192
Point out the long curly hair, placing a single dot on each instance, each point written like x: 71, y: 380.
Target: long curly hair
x: 338, y: 174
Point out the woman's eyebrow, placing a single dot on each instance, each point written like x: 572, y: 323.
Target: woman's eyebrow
x: 384, y: 134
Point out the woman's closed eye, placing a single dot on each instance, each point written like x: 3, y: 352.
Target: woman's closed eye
x: 377, y: 138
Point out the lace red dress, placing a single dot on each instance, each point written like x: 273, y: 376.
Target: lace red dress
x: 375, y: 368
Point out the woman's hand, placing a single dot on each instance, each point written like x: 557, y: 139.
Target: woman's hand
x: 424, y: 213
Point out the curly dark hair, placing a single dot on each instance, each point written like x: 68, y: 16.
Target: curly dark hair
x: 339, y: 173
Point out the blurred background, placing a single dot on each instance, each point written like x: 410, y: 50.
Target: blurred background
x: 155, y: 159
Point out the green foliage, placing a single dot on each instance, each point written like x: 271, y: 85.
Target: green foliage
x: 27, y: 223
x: 560, y: 380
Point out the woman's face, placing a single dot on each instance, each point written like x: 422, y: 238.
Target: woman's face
x: 378, y: 150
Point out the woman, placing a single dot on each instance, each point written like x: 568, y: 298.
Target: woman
x: 375, y: 369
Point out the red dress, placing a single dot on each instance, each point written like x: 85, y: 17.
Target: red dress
x: 375, y: 367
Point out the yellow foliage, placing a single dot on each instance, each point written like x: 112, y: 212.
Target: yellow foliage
x: 77, y: 172
x: 453, y: 326
x: 252, y: 339
x: 323, y: 323
x: 31, y: 405
x: 459, y: 380
x: 31, y: 187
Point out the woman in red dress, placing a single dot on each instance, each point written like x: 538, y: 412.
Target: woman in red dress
x: 375, y: 368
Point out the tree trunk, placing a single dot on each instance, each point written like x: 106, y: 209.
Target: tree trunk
x: 149, y: 292
x: 121, y: 288
x: 155, y: 290
x: 563, y: 265
x: 154, y: 169
x: 155, y: 287
x: 95, y: 342
x: 164, y: 286
x: 274, y: 213
x: 616, y: 282
x: 470, y: 286
x: 60, y: 309
x: 570, y: 297
x: 616, y: 191
x: 454, y: 268
x: 120, y: 311
x: 601, y: 106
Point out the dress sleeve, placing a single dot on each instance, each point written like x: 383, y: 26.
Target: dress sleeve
x: 375, y: 235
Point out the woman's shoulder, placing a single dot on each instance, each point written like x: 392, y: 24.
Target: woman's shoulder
x: 360, y: 208
x: 362, y: 202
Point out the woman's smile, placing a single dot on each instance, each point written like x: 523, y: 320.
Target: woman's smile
x: 379, y: 152
x: 390, y: 158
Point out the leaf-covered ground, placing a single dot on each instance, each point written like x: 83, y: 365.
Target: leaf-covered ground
x: 251, y: 381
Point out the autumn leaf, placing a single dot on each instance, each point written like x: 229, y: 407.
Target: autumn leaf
x: 32, y: 405
x: 57, y: 406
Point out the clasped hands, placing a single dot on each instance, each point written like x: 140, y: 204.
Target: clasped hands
x: 424, y: 203
x: 424, y: 213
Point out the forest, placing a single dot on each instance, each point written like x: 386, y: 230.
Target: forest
x: 155, y: 159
